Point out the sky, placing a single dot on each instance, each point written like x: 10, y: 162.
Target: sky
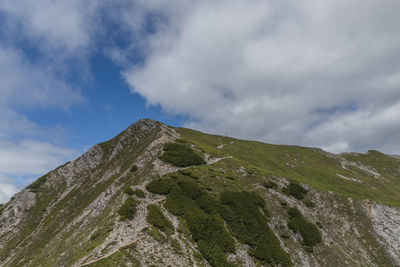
x: 319, y: 73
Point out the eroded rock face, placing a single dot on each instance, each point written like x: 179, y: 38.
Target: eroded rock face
x: 386, y: 223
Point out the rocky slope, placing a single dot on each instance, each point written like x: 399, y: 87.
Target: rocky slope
x: 80, y: 213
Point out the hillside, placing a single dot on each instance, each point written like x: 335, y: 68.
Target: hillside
x: 156, y: 195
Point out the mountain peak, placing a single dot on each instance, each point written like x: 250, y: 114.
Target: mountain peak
x: 159, y: 195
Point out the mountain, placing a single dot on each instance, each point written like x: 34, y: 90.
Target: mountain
x: 157, y: 195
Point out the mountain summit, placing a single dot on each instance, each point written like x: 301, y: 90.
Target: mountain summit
x: 156, y: 195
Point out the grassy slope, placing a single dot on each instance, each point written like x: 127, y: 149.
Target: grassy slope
x: 307, y: 165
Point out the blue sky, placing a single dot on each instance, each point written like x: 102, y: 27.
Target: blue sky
x: 75, y: 73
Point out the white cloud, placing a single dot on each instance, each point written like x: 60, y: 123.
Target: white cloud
x: 7, y: 189
x: 32, y: 156
x: 55, y: 25
x: 25, y: 85
x: 316, y: 73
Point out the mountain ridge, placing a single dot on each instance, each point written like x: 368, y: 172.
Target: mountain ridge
x: 70, y: 217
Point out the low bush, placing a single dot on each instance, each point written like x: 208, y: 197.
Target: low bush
x: 241, y: 211
x: 161, y: 186
x: 177, y: 202
x: 157, y: 219
x: 176, y: 247
x: 190, y: 188
x: 180, y: 155
x: 270, y: 184
x: 180, y: 141
x: 185, y: 172
x: 210, y: 235
x: 308, y: 231
x: 139, y: 193
x: 208, y: 203
x: 296, y: 190
x: 128, y: 209
x: 134, y: 168
x: 156, y: 234
x: 128, y: 190
x: 35, y: 186
x: 309, y: 204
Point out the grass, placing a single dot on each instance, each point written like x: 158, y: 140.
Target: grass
x: 308, y: 165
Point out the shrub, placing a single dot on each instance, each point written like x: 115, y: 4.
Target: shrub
x: 157, y: 219
x: 295, y: 190
x: 128, y: 190
x: 190, y: 188
x: 155, y: 233
x: 212, y: 239
x: 270, y: 184
x: 128, y: 209
x: 309, y: 204
x: 241, y: 211
x: 208, y: 203
x: 185, y: 172
x: 35, y: 186
x: 134, y: 168
x: 194, y: 205
x: 161, y: 186
x: 308, y: 231
x: 180, y: 155
x: 177, y: 202
x: 230, y: 178
x: 139, y: 193
x: 176, y: 247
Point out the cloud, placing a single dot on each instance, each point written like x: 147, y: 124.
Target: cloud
x: 7, y: 189
x: 315, y: 73
x: 55, y: 25
x: 31, y: 157
x: 25, y: 85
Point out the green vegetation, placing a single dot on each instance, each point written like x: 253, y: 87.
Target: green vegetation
x: 204, y: 215
x: 296, y: 190
x: 161, y: 186
x: 186, y: 199
x: 308, y: 231
x: 241, y: 211
x: 176, y: 247
x: 156, y: 234
x: 180, y: 155
x: 309, y: 166
x: 123, y: 257
x: 157, y: 219
x: 139, y: 193
x: 211, y: 237
x: 181, y: 141
x: 309, y: 204
x: 134, y: 168
x: 128, y: 190
x: 270, y: 184
x: 35, y: 186
x: 2, y: 207
x: 128, y: 209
